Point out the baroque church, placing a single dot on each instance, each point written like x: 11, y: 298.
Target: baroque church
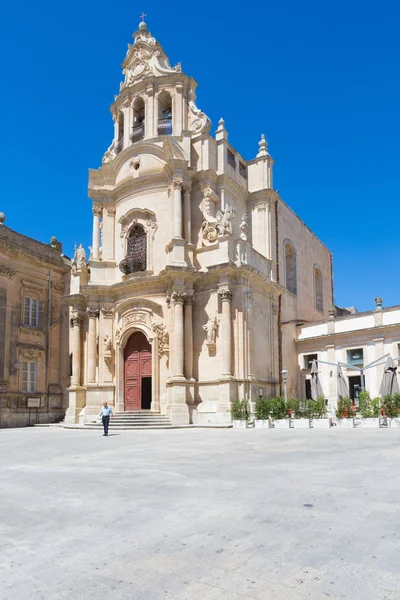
x: 198, y: 274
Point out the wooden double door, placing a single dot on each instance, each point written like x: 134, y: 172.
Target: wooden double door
x: 137, y: 374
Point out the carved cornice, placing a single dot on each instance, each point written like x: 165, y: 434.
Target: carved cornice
x: 225, y: 293
x: 30, y: 353
x: 92, y: 313
x: 76, y: 321
x: 7, y: 271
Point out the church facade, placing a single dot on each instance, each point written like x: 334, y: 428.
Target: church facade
x: 198, y: 271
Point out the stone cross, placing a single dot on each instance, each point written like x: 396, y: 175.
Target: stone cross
x: 142, y: 16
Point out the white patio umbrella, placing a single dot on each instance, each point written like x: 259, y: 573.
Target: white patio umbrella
x: 389, y: 385
x: 342, y: 384
x: 316, y: 387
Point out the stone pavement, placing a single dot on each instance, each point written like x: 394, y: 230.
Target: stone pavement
x: 200, y: 515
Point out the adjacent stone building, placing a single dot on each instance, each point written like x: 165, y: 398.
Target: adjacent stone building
x: 198, y: 270
x: 34, y: 370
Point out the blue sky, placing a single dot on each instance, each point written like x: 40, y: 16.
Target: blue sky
x: 320, y: 79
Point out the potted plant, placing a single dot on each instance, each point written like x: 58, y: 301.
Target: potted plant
x: 390, y: 408
x: 262, y: 413
x: 345, y: 413
x: 278, y: 413
x: 318, y: 416
x: 240, y: 411
x: 369, y: 411
x: 299, y: 413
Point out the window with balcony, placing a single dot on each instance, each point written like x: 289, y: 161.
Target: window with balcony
x: 29, y: 373
x: 31, y: 312
x: 138, y: 120
x: 308, y: 360
x: 164, y: 113
x: 355, y: 358
x: 136, y: 254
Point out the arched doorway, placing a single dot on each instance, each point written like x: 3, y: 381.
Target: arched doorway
x: 137, y: 372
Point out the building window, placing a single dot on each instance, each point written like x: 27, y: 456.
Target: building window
x: 164, y: 113
x: 355, y: 358
x: 291, y: 269
x: 29, y: 372
x: 308, y: 360
x: 231, y: 158
x: 136, y: 255
x: 31, y: 312
x: 318, y: 289
x: 120, y: 141
x: 242, y: 169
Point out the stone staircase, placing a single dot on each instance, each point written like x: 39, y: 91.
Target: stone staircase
x: 141, y: 419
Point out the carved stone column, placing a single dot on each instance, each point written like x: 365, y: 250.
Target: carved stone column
x: 178, y: 298
x: 93, y: 313
x: 76, y: 322
x: 127, y: 109
x: 187, y: 222
x: 177, y: 183
x: 226, y: 331
x: 97, y: 213
x: 188, y: 337
x: 150, y: 117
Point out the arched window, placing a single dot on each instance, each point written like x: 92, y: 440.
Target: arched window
x: 136, y: 251
x: 318, y: 289
x: 290, y: 268
x: 138, y: 120
x: 120, y: 141
x: 164, y: 113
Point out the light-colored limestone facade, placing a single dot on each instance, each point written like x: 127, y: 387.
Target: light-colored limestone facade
x: 34, y: 361
x: 357, y: 339
x: 198, y: 271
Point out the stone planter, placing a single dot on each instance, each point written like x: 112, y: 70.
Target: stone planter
x: 368, y: 423
x: 300, y: 423
x: 345, y: 423
x: 321, y: 423
x: 261, y: 423
x: 240, y: 424
x: 281, y: 424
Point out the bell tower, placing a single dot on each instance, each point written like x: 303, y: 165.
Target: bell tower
x: 154, y: 99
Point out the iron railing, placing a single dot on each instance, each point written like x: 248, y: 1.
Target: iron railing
x: 164, y: 126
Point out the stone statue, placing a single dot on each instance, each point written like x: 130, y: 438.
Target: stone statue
x: 107, y: 345
x: 80, y: 256
x: 211, y: 329
x: 224, y: 220
x: 244, y: 228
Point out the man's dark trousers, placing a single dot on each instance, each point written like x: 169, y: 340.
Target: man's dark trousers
x: 106, y: 421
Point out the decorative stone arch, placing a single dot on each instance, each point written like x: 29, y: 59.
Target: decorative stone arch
x: 141, y: 319
x: 290, y: 262
x: 318, y: 288
x: 147, y: 220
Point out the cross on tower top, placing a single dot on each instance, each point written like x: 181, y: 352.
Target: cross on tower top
x: 142, y: 16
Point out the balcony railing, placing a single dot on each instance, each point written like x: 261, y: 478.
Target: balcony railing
x: 119, y: 145
x: 137, y: 132
x: 132, y: 264
x: 164, y: 126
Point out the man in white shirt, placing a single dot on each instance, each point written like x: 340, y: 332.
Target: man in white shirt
x: 105, y: 414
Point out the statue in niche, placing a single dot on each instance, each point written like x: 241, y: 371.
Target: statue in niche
x: 80, y: 256
x: 211, y: 329
x: 107, y: 345
x: 244, y: 228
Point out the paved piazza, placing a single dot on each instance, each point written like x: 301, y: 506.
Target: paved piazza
x: 199, y: 515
